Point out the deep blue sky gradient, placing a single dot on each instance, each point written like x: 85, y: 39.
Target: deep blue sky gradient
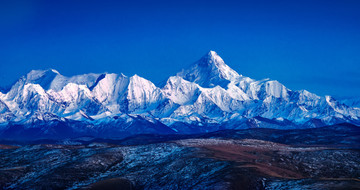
x: 313, y: 45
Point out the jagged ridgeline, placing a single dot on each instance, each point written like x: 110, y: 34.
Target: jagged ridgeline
x: 206, y: 96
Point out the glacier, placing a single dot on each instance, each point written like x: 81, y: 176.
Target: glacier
x: 206, y: 96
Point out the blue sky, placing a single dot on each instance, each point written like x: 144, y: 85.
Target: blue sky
x: 313, y: 45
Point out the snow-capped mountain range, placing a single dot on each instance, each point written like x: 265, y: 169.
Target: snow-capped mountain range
x: 206, y: 96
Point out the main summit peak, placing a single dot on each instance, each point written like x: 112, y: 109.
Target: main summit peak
x: 209, y: 71
x: 211, y: 58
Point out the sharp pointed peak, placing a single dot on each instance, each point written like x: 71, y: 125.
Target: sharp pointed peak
x: 212, y: 53
x: 212, y: 57
x: 210, y: 70
x: 212, y: 61
x: 136, y: 77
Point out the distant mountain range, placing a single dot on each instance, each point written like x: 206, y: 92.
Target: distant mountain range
x: 206, y: 96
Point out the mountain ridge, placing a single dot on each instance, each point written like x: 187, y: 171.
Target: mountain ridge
x: 206, y: 96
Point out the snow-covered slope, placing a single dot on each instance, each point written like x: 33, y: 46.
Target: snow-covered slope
x: 206, y: 96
